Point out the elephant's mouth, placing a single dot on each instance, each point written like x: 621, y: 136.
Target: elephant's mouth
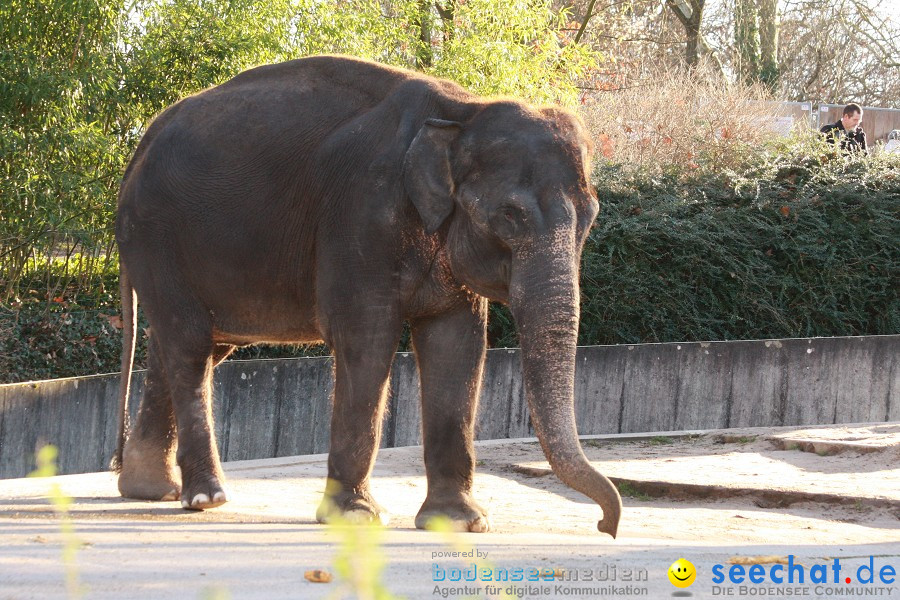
x: 492, y: 293
x: 481, y: 264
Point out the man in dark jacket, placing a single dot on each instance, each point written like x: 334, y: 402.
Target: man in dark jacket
x: 848, y: 131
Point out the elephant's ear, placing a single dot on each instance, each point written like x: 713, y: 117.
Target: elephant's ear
x: 427, y: 174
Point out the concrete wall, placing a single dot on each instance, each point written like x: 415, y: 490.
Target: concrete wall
x: 282, y: 407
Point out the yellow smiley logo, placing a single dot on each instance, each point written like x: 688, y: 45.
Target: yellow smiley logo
x: 682, y: 573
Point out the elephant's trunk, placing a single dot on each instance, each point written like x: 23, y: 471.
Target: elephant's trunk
x: 544, y: 299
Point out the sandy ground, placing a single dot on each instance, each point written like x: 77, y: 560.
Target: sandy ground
x: 711, y: 497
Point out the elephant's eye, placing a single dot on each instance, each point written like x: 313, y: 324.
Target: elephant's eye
x: 509, y: 221
x: 512, y: 213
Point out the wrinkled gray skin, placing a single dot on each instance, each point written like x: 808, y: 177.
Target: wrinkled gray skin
x: 330, y: 199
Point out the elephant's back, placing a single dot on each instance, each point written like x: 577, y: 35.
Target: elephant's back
x: 301, y: 100
x: 267, y: 122
x: 327, y: 74
x: 278, y: 108
x: 240, y: 173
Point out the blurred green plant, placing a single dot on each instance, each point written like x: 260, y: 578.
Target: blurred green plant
x: 360, y: 560
x: 46, y: 467
x: 215, y: 593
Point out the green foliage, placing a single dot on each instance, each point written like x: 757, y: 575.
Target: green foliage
x: 629, y: 490
x: 661, y: 440
x: 490, y: 47
x: 516, y: 47
x: 383, y: 32
x: 180, y: 47
x: 81, y: 79
x: 59, y: 164
x: 803, y: 243
x: 76, y: 331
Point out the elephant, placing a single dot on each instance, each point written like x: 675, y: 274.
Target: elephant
x: 333, y: 199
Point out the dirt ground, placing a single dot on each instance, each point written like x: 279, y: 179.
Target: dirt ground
x: 717, y: 498
x: 740, y: 486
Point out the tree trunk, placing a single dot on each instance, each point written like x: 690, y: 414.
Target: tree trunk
x: 746, y: 39
x: 447, y: 14
x: 768, y: 43
x: 690, y: 14
x: 424, y: 56
x: 692, y: 29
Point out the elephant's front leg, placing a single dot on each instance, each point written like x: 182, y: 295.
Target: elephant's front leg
x: 450, y: 350
x: 364, y: 344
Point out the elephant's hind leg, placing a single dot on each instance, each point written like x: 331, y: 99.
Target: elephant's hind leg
x: 149, y: 470
x: 183, y: 330
x: 190, y: 377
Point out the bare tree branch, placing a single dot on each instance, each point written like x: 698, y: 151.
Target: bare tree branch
x: 587, y: 17
x: 888, y: 53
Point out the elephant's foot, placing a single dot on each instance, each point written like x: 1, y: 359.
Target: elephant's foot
x: 462, y: 512
x: 350, y: 507
x: 149, y: 473
x: 202, y: 492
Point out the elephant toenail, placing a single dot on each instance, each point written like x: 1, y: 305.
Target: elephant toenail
x: 480, y: 526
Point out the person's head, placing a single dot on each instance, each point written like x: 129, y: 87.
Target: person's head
x: 852, y: 116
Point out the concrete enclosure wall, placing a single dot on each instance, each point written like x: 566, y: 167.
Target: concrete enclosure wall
x: 282, y: 407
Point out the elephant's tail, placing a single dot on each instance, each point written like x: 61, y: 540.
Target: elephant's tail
x: 129, y: 327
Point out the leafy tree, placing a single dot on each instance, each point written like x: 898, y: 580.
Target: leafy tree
x: 81, y: 79
x: 179, y: 47
x: 516, y: 47
x: 59, y: 71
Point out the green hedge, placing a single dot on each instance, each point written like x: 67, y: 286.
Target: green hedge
x: 803, y: 243
x: 799, y: 247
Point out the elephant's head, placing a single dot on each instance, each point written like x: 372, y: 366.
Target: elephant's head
x: 511, y: 189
